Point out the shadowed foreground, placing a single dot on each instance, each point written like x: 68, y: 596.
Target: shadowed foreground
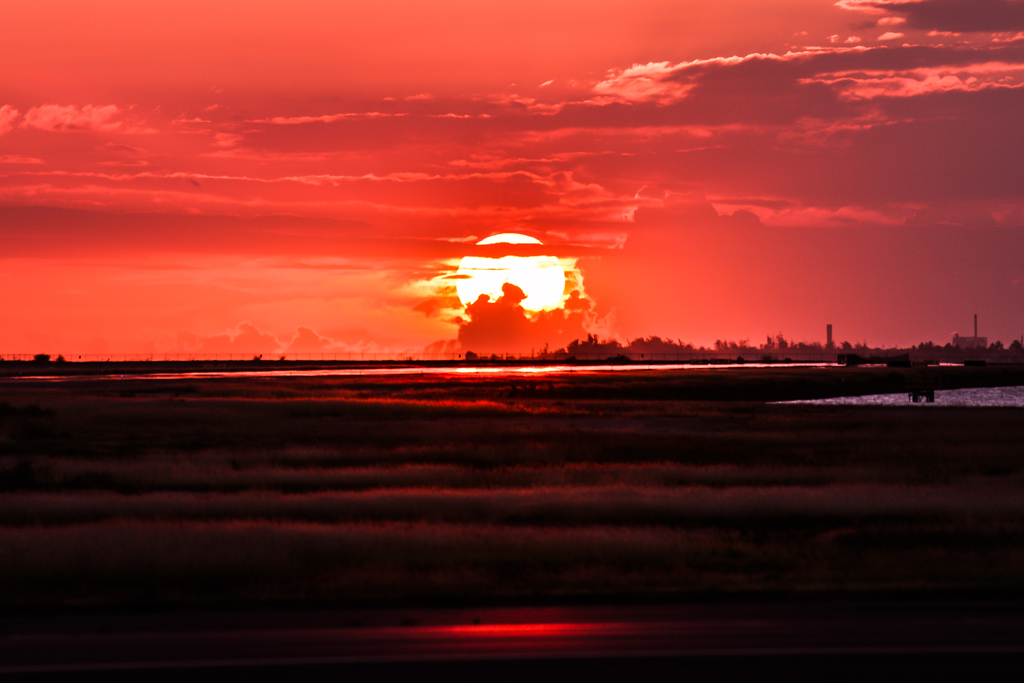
x: 840, y: 642
x: 399, y: 491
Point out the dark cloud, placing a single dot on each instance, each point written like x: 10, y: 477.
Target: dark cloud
x: 503, y: 326
x: 691, y: 212
x: 960, y: 16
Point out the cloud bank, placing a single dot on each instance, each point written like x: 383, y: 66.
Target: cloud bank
x: 503, y: 326
x: 960, y: 16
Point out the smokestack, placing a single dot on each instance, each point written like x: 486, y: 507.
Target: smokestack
x: 828, y: 335
x: 975, y: 324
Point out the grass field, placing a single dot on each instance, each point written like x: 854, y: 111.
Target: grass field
x: 438, y: 490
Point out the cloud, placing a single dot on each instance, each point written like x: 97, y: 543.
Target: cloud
x: 692, y: 211
x: 118, y: 148
x: 759, y: 125
x: 890, y: 35
x: 666, y: 84
x: 503, y: 326
x: 326, y: 118
x: 868, y: 84
x: 15, y: 159
x: 245, y: 339
x: 226, y: 139
x: 649, y: 82
x: 58, y: 118
x: 947, y: 15
x: 867, y: 6
x: 808, y: 127
x: 7, y: 116
x: 308, y: 341
x: 956, y: 215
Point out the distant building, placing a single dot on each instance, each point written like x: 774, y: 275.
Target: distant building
x: 828, y: 336
x: 974, y: 342
x: 969, y: 342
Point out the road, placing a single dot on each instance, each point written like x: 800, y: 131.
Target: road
x: 942, y: 641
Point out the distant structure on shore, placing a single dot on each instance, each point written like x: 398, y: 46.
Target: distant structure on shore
x: 828, y: 336
x: 974, y: 342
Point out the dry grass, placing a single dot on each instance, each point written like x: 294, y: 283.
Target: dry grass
x: 563, y: 506
x: 260, y: 562
x: 304, y: 491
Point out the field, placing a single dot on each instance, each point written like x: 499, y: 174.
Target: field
x: 429, y: 490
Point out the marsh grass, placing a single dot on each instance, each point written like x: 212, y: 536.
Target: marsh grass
x: 348, y: 490
x: 259, y: 562
x: 564, y: 506
x: 227, y: 472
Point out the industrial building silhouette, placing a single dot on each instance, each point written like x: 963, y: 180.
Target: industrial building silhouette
x: 974, y: 342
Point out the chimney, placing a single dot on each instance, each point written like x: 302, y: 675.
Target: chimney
x: 975, y: 324
x: 828, y: 335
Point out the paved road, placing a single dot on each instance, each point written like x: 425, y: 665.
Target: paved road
x: 947, y: 641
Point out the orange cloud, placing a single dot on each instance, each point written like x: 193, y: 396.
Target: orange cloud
x: 7, y: 116
x: 58, y: 118
x: 328, y: 118
x: 16, y: 159
x: 504, y: 326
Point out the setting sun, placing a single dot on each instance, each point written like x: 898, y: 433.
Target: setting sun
x: 541, y: 278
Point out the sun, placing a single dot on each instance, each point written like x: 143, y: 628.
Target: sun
x: 541, y: 278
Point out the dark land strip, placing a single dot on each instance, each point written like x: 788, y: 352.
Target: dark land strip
x: 283, y: 501
x: 841, y: 640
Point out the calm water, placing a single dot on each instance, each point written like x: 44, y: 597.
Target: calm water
x: 996, y: 396
x: 515, y: 371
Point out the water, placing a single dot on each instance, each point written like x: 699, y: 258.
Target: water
x: 1012, y: 397
x: 984, y: 397
x: 488, y: 371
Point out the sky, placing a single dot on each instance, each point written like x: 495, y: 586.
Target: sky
x: 305, y: 176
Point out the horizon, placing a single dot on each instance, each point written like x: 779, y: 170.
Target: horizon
x: 775, y: 345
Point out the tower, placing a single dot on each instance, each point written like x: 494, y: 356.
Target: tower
x: 828, y: 335
x: 974, y: 342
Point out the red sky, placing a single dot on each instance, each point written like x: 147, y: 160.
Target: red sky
x: 272, y: 176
